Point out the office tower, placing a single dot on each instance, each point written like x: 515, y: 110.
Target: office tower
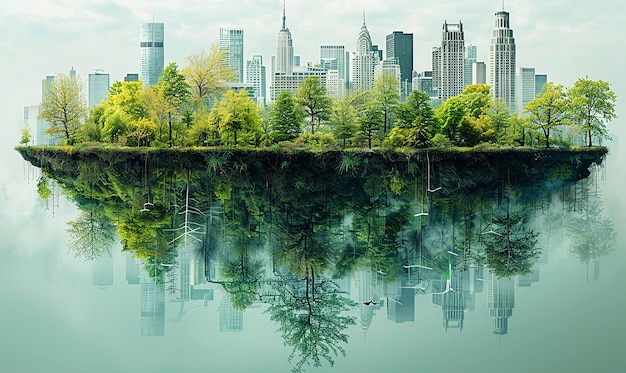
x: 501, y: 301
x: 399, y: 47
x: 152, y: 306
x: 364, y: 61
x: 424, y: 82
x: 525, y: 85
x: 284, y: 50
x: 449, y: 61
x: 540, y: 80
x: 334, y: 57
x: 479, y: 73
x: 470, y: 59
x: 99, y: 84
x: 390, y: 67
x: 130, y: 77
x: 403, y: 309
x: 151, y: 37
x: 290, y: 83
x: 502, y: 61
x: 231, y: 41
x: 255, y: 75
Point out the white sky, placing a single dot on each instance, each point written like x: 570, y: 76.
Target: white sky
x: 564, y: 39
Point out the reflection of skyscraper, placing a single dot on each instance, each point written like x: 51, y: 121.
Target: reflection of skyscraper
x: 151, y: 37
x: 152, y: 306
x: 402, y: 309
x: 454, y: 303
x: 103, y: 271
x: 501, y: 301
x: 132, y: 269
x: 231, y: 320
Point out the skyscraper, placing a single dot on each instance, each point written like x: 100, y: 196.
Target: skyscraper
x: 501, y: 301
x: 231, y: 41
x: 284, y: 49
x: 399, y: 47
x: 364, y: 61
x: 151, y: 37
x: 525, y: 85
x: 99, y: 84
x: 470, y: 59
x: 334, y: 57
x: 540, y: 80
x: 255, y: 75
x: 449, y: 61
x: 502, y: 61
x: 152, y: 306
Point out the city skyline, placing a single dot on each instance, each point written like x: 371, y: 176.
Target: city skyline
x: 190, y: 30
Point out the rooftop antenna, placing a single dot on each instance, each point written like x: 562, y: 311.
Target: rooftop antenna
x: 363, y: 14
x: 284, y: 16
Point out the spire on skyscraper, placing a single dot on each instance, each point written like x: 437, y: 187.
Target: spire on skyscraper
x: 284, y: 17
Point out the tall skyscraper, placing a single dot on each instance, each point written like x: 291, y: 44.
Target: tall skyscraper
x: 479, y: 73
x: 284, y: 49
x: 501, y: 301
x: 364, y: 61
x: 99, y: 83
x: 231, y: 41
x: 449, y: 61
x: 151, y: 37
x: 540, y: 80
x: 152, y: 306
x: 255, y: 75
x: 502, y: 61
x: 333, y: 57
x: 525, y: 85
x: 399, y: 47
x: 470, y: 59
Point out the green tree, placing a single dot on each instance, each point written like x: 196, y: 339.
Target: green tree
x: 129, y: 97
x: 386, y: 94
x: 238, y: 120
x: 92, y: 233
x: 344, y: 120
x: 115, y: 125
x: 549, y: 110
x: 26, y: 134
x: 593, y: 103
x: 450, y: 114
x: 175, y: 91
x: 416, y: 124
x: 285, y: 118
x: 207, y: 74
x: 64, y: 106
x: 311, y: 96
x: 311, y: 320
x: 370, y: 123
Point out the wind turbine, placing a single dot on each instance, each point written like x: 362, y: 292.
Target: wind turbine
x: 448, y: 280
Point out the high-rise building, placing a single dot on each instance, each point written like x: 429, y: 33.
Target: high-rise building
x: 501, y: 301
x: 151, y: 37
x: 391, y: 67
x: 470, y: 59
x: 502, y: 61
x: 334, y: 57
x: 540, y: 80
x: 256, y: 75
x: 231, y: 41
x: 99, y: 84
x: 284, y: 49
x: 449, y: 61
x: 231, y: 320
x: 364, y: 61
x: 152, y: 306
x: 289, y: 83
x: 399, y: 47
x: 525, y: 85
x: 479, y: 73
x: 424, y: 82
x: 131, y: 77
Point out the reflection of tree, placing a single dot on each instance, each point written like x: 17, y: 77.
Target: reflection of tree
x: 309, y: 314
x: 511, y: 249
x: 92, y: 234
x: 593, y: 236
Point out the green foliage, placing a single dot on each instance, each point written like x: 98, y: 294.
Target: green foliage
x: 311, y: 96
x: 129, y: 97
x: 512, y: 250
x: 115, y: 124
x: 140, y: 132
x: 416, y: 123
x: 238, y: 120
x: 92, y: 233
x: 26, y: 134
x: 43, y: 189
x: 317, y: 142
x: 593, y: 104
x: 285, y: 118
x: 549, y: 110
x: 343, y: 121
x: 370, y: 125
x: 386, y: 95
x: 64, y: 106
